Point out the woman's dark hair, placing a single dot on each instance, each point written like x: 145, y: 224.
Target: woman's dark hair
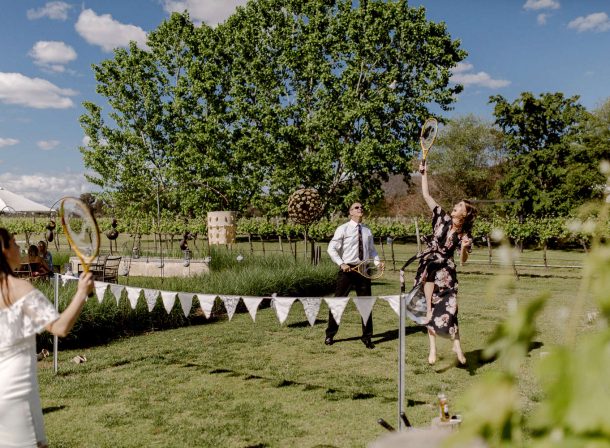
x: 5, y: 268
x: 471, y: 214
x: 33, y: 250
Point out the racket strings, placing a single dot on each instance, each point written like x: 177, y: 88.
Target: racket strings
x: 81, y: 228
x: 428, y: 133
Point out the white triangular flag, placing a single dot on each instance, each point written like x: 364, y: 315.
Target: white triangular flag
x: 67, y: 278
x: 151, y: 295
x: 393, y: 302
x: 100, y: 290
x: 252, y: 304
x: 168, y: 298
x: 206, y: 302
x: 117, y: 291
x: 230, y: 304
x: 311, y: 306
x: 133, y: 294
x: 186, y: 301
x: 282, y: 307
x: 337, y: 306
x: 364, y: 304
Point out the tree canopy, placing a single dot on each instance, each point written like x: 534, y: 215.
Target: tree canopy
x: 468, y: 159
x: 285, y: 94
x: 551, y: 168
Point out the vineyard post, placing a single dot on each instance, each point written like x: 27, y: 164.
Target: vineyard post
x: 488, y: 237
x: 382, y: 248
x: 417, y: 235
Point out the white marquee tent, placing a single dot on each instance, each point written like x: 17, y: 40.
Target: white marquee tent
x: 14, y: 203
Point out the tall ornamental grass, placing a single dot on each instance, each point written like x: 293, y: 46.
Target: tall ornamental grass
x: 252, y: 276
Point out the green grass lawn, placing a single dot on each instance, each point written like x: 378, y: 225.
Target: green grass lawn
x: 245, y: 384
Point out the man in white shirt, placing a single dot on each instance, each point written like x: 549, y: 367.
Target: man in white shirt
x: 352, y: 244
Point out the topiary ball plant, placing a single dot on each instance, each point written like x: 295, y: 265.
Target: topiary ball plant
x: 305, y: 206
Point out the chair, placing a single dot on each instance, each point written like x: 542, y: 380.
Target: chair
x: 111, y: 269
x: 24, y: 271
x: 96, y: 268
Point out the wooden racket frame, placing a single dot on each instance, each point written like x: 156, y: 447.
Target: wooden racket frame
x: 85, y: 260
x: 429, y: 122
x: 359, y: 268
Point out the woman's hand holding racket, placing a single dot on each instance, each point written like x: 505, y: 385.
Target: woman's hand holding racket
x: 85, y: 285
x: 423, y: 168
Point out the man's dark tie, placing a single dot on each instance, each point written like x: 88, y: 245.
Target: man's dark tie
x: 360, y: 246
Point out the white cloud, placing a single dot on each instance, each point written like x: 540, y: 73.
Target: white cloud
x: 541, y: 4
x: 52, y: 55
x: 462, y: 67
x: 46, y: 145
x: 86, y: 140
x: 108, y: 33
x: 211, y: 12
x: 52, y: 10
x: 45, y: 188
x: 8, y: 142
x: 593, y: 22
x: 38, y: 93
x: 461, y: 75
x: 541, y: 19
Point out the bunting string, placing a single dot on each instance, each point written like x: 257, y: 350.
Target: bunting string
x: 281, y: 305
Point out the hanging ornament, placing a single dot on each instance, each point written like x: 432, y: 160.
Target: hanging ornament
x: 49, y: 232
x: 113, y: 233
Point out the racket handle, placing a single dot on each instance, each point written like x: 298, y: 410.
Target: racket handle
x: 385, y: 424
x: 85, y: 270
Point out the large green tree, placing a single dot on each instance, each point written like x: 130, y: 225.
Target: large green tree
x: 331, y: 94
x: 163, y: 138
x: 468, y: 159
x: 287, y: 93
x: 548, y: 172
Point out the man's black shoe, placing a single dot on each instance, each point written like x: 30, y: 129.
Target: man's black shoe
x: 329, y: 341
x: 368, y: 343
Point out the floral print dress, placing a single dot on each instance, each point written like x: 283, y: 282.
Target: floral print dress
x: 436, y: 265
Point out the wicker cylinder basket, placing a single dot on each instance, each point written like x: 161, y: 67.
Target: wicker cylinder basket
x: 222, y: 227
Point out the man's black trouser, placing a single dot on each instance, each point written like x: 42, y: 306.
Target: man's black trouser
x: 345, y: 282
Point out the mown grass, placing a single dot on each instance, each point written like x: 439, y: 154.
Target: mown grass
x: 245, y: 384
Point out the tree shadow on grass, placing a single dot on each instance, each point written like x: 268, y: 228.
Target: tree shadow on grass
x: 386, y: 336
x: 305, y: 323
x: 50, y: 409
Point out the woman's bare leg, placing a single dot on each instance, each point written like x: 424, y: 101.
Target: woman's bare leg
x: 457, y: 348
x: 432, y: 354
x: 428, y: 290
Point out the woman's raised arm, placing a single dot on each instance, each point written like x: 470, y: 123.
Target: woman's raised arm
x: 423, y: 169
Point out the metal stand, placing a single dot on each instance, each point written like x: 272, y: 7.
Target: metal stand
x: 403, y: 421
x: 55, y: 339
x: 401, y: 352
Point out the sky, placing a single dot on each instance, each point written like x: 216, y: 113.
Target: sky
x: 47, y: 49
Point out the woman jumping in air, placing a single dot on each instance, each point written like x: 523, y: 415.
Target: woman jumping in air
x: 451, y: 232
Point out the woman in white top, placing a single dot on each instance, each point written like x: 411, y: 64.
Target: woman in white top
x: 25, y: 311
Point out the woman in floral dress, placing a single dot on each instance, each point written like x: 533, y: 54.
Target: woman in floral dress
x: 451, y: 232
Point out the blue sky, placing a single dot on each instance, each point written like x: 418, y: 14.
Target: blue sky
x: 47, y: 49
